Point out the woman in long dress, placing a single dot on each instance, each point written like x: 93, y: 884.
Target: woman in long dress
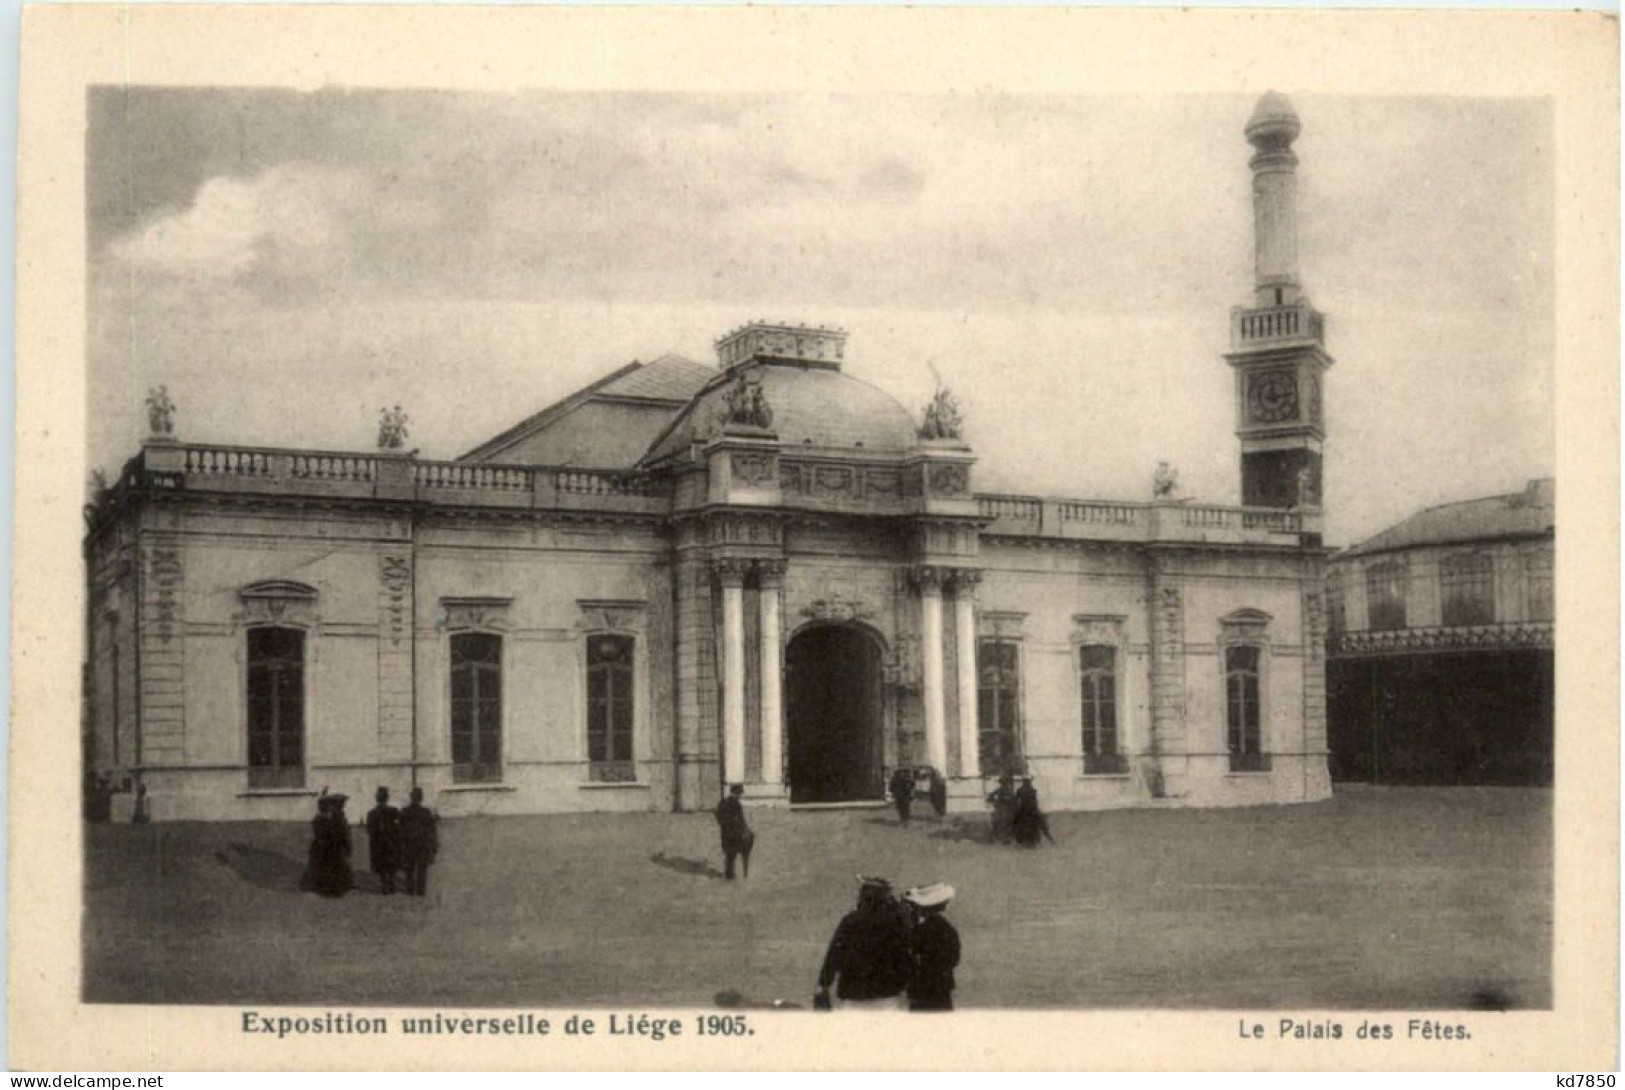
x: 329, y: 870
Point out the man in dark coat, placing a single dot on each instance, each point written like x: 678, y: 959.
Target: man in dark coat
x: 384, y: 841
x: 1029, y: 822
x: 329, y: 869
x: 902, y: 792
x: 737, y: 839
x: 936, y: 949
x: 869, y: 960
x: 420, y: 843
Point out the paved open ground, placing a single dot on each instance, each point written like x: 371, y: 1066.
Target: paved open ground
x: 1383, y: 897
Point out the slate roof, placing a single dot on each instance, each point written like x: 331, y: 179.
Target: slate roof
x: 1530, y: 513
x: 670, y: 378
x: 812, y: 406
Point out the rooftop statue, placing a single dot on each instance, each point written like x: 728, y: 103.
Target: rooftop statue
x: 942, y: 418
x: 160, y: 411
x: 746, y: 404
x: 1164, y: 482
x: 392, y: 428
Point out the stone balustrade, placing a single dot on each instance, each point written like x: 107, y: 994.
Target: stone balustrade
x: 213, y: 468
x: 396, y: 477
x: 1295, y: 322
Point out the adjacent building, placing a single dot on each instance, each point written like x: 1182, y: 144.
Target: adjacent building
x: 1440, y: 656
x: 763, y: 572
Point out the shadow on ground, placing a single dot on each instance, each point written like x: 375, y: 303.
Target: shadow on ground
x: 694, y: 868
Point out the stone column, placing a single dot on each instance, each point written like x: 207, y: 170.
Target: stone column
x: 771, y: 573
x: 970, y: 756
x: 936, y: 732
x: 731, y: 574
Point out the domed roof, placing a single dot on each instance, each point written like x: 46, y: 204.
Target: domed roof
x: 812, y: 406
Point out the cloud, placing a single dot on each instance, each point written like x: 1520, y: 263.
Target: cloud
x: 237, y: 229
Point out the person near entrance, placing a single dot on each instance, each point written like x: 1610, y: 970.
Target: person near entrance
x: 902, y: 792
x: 936, y: 948
x: 737, y: 838
x: 1003, y: 801
x: 869, y: 959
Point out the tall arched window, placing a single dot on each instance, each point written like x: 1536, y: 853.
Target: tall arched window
x: 1385, y: 595
x: 476, y: 707
x: 1467, y: 589
x: 1537, y: 578
x: 1097, y: 673
x: 610, y: 708
x: 1242, y: 711
x: 276, y: 707
x: 998, y: 698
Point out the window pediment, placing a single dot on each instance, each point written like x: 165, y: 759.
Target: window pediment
x: 612, y: 614
x: 278, y: 601
x: 467, y: 613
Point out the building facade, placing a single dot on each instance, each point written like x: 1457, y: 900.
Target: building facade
x: 765, y: 572
x: 1440, y: 657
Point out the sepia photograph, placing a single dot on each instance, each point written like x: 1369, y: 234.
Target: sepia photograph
x: 758, y: 551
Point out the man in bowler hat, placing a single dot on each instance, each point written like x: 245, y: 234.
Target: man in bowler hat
x: 737, y: 838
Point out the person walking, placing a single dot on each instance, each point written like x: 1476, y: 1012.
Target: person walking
x: 869, y: 961
x: 936, y: 949
x: 384, y: 841
x: 737, y: 838
x: 420, y: 843
x: 1029, y: 822
x: 328, y: 872
x: 902, y: 792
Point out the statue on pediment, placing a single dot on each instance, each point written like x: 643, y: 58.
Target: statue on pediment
x: 392, y: 428
x: 942, y: 416
x: 1164, y: 482
x: 160, y: 411
x: 745, y: 403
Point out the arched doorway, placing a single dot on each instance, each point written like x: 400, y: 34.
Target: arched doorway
x: 832, y: 714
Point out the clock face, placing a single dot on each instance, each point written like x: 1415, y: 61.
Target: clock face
x: 1273, y: 396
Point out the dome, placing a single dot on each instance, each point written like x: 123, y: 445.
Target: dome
x: 812, y: 406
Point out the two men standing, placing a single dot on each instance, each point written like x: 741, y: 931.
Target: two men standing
x: 402, y: 840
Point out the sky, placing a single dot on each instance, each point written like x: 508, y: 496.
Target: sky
x: 288, y: 262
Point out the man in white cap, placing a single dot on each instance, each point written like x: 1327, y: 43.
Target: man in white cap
x: 936, y: 949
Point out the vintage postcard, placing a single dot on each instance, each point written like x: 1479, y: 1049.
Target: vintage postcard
x: 747, y: 538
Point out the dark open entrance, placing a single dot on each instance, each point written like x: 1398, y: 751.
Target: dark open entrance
x: 832, y: 714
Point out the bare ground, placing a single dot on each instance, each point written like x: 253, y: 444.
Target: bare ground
x: 1416, y: 898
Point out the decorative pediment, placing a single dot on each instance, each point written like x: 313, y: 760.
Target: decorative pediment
x: 1106, y: 628
x: 612, y: 615
x: 1245, y: 624
x: 1000, y: 624
x: 837, y: 608
x: 487, y: 613
x: 278, y: 602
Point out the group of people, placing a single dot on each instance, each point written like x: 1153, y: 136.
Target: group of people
x: 1017, y: 817
x: 891, y: 953
x: 902, y: 787
x: 400, y: 842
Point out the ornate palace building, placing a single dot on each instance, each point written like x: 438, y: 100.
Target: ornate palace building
x: 762, y: 572
x: 1441, y: 645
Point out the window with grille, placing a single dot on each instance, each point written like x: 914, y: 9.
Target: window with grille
x: 1537, y: 578
x: 1242, y: 712
x: 998, y: 695
x: 1385, y: 596
x: 1467, y: 589
x: 1097, y: 671
x: 276, y: 707
x: 476, y: 708
x: 609, y: 708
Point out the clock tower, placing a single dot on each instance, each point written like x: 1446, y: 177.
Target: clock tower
x: 1277, y: 344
